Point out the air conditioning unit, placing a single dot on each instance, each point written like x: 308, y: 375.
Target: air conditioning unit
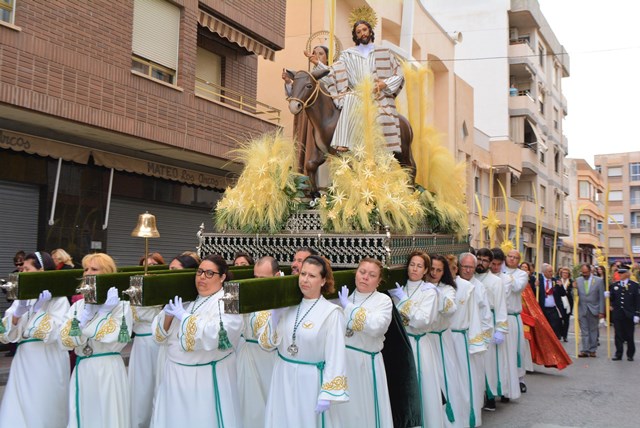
x: 513, y: 34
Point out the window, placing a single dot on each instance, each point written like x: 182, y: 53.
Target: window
x: 156, y: 32
x: 7, y: 7
x: 634, y: 171
x: 634, y: 195
x: 616, y: 242
x: 556, y: 74
x: 556, y: 124
x: 599, y: 226
x: 616, y: 219
x: 615, y: 195
x: 585, y: 224
x: 542, y: 157
x: 599, y: 169
x: 541, y: 100
x: 208, y: 74
x: 556, y: 161
x: 541, y: 55
x: 635, y: 220
x: 543, y: 197
x: 583, y: 189
x: 614, y: 171
x: 476, y: 184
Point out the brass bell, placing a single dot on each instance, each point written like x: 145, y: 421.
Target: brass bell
x: 146, y: 227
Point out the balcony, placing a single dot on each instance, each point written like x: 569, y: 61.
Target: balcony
x: 634, y: 202
x: 237, y: 101
x: 520, y: 52
x: 634, y: 226
x: 524, y: 105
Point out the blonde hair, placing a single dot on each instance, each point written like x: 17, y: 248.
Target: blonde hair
x: 104, y: 261
x: 61, y: 256
x: 193, y: 255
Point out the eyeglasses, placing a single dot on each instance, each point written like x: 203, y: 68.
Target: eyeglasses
x: 483, y: 261
x: 207, y: 273
x: 467, y: 267
x: 18, y: 264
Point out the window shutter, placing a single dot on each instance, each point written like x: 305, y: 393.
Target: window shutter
x: 156, y: 31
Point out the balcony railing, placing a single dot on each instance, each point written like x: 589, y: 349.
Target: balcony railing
x: 634, y: 224
x: 634, y: 201
x: 237, y: 100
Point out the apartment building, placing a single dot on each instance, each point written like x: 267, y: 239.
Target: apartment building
x: 515, y: 64
x: 584, y: 214
x: 111, y: 109
x: 621, y: 175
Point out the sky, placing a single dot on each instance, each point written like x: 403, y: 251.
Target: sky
x: 602, y: 91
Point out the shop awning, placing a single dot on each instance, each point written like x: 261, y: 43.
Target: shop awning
x: 43, y: 147
x: 236, y: 36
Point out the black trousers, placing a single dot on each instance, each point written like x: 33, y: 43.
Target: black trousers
x: 554, y: 319
x: 566, y: 321
x: 624, y: 333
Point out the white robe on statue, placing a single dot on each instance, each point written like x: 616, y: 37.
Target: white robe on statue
x: 369, y: 318
x: 143, y: 363
x: 317, y: 372
x: 99, y: 390
x: 354, y: 66
x: 448, y: 370
x: 495, y: 359
x: 255, y: 367
x: 419, y: 313
x: 198, y: 388
x: 515, y: 280
x: 37, y: 391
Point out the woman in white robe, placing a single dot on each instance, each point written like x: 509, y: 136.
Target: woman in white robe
x: 255, y: 366
x: 142, y: 368
x: 309, y: 377
x: 417, y: 303
x: 367, y: 315
x: 442, y: 340
x: 38, y: 386
x: 98, y: 393
x: 198, y: 387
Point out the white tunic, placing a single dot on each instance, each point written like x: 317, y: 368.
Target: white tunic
x: 143, y: 365
x: 316, y: 372
x: 99, y: 390
x: 38, y: 387
x: 368, y: 318
x: 495, y: 361
x: 442, y: 342
x: 419, y: 313
x: 515, y: 280
x: 255, y: 367
x: 479, y: 346
x: 198, y: 388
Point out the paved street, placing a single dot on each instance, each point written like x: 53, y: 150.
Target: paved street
x: 592, y: 392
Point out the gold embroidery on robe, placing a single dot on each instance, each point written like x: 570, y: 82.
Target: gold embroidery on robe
x: 307, y: 324
x: 338, y: 383
x: 448, y: 304
x: 44, y: 327
x: 404, y: 312
x: 190, y: 333
x: 64, y: 335
x: 502, y: 325
x: 159, y: 336
x: 261, y: 319
x: 479, y: 339
x: 358, y: 321
x: 107, y: 328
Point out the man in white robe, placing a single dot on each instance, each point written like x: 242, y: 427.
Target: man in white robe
x: 495, y: 361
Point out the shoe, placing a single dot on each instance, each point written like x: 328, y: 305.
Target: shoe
x: 629, y: 358
x: 523, y: 387
x: 592, y: 354
x: 490, y: 405
x: 616, y: 358
x: 504, y: 399
x: 583, y: 355
x: 565, y: 340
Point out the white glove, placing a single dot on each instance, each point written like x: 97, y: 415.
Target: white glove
x: 175, y: 308
x: 322, y: 406
x: 607, y: 294
x: 21, y: 309
x: 498, y: 337
x: 111, y: 302
x: 636, y: 319
x: 44, y: 297
x: 398, y: 292
x: 343, y: 295
x: 88, y: 313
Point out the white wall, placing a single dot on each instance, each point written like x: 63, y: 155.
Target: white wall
x: 481, y: 57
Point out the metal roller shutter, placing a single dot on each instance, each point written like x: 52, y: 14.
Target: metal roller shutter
x: 177, y: 226
x: 18, y: 225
